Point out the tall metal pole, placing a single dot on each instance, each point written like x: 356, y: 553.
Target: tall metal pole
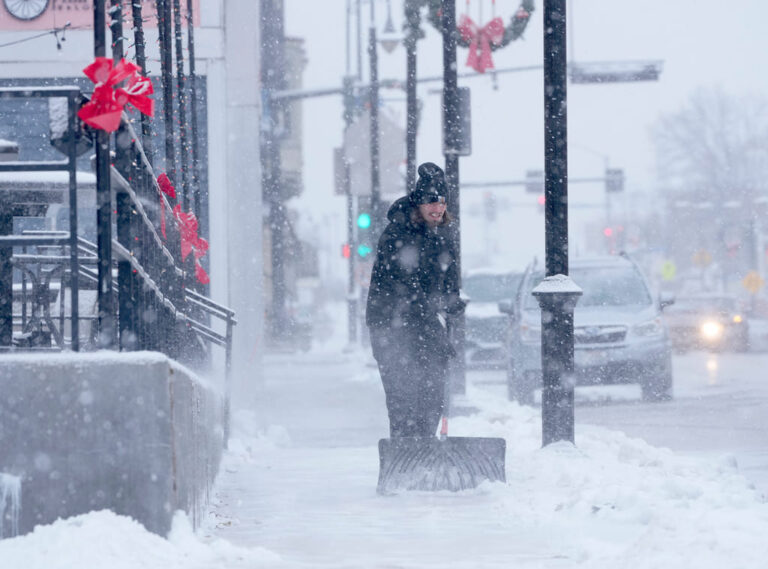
x: 373, y: 61
x: 272, y: 72
x: 451, y: 138
x: 74, y: 264
x: 106, y: 323
x: 556, y: 302
x: 166, y: 63
x: 141, y: 61
x: 348, y: 88
x: 126, y: 324
x: 196, y: 196
x: 412, y: 19
x: 182, y: 106
x: 359, y: 43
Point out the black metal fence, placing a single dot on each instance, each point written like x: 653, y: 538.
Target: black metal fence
x: 49, y: 281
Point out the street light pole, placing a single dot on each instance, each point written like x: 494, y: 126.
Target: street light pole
x: 412, y: 19
x: 373, y: 61
x: 348, y: 94
x: 557, y: 295
x: 451, y: 144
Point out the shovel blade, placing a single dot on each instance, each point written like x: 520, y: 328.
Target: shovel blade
x: 431, y: 464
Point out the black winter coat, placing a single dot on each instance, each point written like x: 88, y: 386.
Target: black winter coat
x: 414, y: 279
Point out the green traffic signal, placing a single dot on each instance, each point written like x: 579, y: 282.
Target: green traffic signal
x: 364, y: 250
x: 364, y: 220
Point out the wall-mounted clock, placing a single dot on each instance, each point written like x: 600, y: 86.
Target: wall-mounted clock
x: 26, y: 9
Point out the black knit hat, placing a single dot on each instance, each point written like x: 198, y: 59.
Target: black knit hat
x: 431, y: 186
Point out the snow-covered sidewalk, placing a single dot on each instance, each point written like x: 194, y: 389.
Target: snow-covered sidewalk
x: 611, y: 501
x: 297, y: 489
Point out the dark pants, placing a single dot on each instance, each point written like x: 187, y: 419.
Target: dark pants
x: 414, y: 380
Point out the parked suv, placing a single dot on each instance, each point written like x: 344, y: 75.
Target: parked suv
x: 619, y: 335
x: 486, y: 327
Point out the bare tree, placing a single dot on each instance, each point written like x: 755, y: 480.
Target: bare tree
x: 712, y: 158
x: 717, y: 144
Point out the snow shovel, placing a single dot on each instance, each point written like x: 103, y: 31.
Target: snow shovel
x: 444, y: 463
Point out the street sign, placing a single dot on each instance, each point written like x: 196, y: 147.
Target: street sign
x: 614, y: 180
x: 753, y: 282
x: 702, y: 258
x: 357, y: 143
x: 668, y: 271
x: 461, y: 140
x: 534, y: 181
x: 615, y: 71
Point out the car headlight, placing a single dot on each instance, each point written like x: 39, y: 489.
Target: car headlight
x: 711, y: 330
x: 650, y: 328
x: 530, y: 334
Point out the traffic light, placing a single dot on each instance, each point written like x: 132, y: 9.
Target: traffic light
x: 534, y: 181
x: 614, y: 180
x: 489, y: 205
x: 540, y: 201
x: 364, y: 238
x: 346, y: 250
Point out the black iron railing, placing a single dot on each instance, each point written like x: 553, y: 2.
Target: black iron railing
x: 57, y: 302
x: 13, y: 203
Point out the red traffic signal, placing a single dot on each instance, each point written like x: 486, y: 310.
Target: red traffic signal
x: 346, y: 250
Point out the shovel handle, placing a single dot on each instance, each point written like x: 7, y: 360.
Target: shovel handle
x: 444, y: 427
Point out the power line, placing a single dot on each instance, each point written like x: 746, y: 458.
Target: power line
x: 53, y: 32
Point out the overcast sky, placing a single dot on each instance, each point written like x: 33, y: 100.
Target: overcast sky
x: 702, y: 43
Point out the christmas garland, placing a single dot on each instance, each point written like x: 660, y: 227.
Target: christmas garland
x: 517, y: 23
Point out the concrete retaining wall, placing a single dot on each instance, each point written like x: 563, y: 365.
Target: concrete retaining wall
x: 135, y: 433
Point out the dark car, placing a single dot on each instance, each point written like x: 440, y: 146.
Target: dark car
x: 486, y: 327
x: 619, y: 335
x: 711, y: 322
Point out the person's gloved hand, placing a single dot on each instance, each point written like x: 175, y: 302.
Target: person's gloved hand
x: 456, y: 307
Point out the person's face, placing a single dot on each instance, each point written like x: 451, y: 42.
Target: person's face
x: 432, y: 212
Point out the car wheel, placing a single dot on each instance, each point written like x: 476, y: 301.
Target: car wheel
x: 520, y: 386
x: 657, y: 385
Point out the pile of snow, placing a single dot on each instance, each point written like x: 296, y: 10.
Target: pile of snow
x: 104, y: 539
x: 615, y: 501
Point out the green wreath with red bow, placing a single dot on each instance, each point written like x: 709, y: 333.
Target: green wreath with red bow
x: 482, y: 40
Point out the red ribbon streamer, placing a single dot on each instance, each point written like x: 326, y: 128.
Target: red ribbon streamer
x: 480, y: 39
x: 167, y: 188
x: 191, y: 242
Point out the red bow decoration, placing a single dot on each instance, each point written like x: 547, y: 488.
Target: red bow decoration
x: 105, y: 107
x: 167, y: 188
x: 191, y: 242
x: 481, y: 40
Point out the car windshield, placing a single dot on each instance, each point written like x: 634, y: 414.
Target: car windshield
x: 602, y: 286
x: 490, y: 287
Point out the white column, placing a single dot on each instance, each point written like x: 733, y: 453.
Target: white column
x: 241, y: 191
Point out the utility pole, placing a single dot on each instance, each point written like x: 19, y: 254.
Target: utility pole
x: 413, y: 23
x: 451, y: 144
x: 348, y: 95
x: 272, y: 71
x: 373, y: 60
